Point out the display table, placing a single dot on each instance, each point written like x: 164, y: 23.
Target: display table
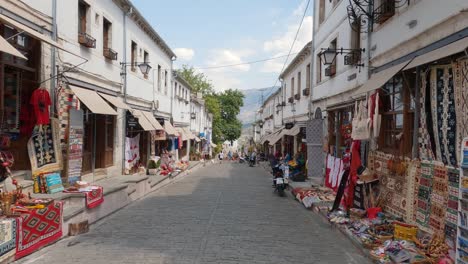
x: 94, y: 195
x: 37, y: 228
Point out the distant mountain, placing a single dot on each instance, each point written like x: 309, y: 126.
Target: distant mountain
x: 252, y: 101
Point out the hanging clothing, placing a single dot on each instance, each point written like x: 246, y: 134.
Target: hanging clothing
x: 40, y: 100
x: 27, y: 121
x: 353, y: 176
x: 132, y: 151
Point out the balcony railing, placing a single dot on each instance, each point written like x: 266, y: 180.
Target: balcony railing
x: 385, y: 11
x: 110, y: 54
x: 86, y: 40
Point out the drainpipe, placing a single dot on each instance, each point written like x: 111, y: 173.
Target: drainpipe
x: 53, y: 63
x: 312, y: 63
x: 124, y: 69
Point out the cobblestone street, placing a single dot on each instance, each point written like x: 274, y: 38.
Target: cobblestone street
x: 219, y: 214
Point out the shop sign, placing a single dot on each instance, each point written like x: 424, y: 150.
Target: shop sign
x: 289, y: 125
x: 132, y: 121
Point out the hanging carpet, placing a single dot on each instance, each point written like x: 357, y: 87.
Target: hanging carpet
x: 460, y: 78
x: 425, y: 119
x: 44, y: 150
x: 7, y: 238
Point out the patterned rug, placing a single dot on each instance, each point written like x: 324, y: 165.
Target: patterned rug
x: 460, y: 78
x: 425, y: 146
x: 94, y: 197
x: 451, y: 216
x: 423, y: 206
x: 38, y: 228
x: 443, y: 113
x: 44, y: 150
x: 7, y: 237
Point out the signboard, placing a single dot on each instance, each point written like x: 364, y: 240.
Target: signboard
x: 75, y: 146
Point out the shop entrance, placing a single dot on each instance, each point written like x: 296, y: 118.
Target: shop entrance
x: 103, y: 137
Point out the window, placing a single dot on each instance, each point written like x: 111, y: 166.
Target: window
x: 175, y: 88
x: 292, y: 87
x: 308, y: 73
x: 180, y: 91
x: 397, y: 118
x: 82, y: 17
x: 159, y: 78
x: 133, y: 56
x: 165, y: 82
x: 332, y: 67
x: 299, y: 84
x: 355, y: 57
x: 107, y: 37
x: 145, y: 60
x: 319, y: 68
x: 321, y: 11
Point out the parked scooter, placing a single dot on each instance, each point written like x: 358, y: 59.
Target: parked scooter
x: 280, y: 182
x: 242, y: 160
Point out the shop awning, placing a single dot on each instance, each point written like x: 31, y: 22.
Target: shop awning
x: 93, y: 101
x: 142, y: 120
x: 8, y: 48
x: 182, y: 133
x: 293, y: 131
x: 197, y: 139
x: 29, y: 31
x: 114, y: 100
x: 266, y: 138
x: 274, y: 138
x: 377, y: 80
x: 213, y: 145
x: 445, y: 51
x: 170, y: 130
x: 150, y: 117
x: 188, y: 133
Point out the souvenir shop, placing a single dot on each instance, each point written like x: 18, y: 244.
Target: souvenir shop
x: 142, y: 131
x: 397, y: 159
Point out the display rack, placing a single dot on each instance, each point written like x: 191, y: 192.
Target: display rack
x: 462, y: 235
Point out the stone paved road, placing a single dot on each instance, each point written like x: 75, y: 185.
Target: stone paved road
x: 219, y: 214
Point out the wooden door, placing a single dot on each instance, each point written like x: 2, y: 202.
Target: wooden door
x: 105, y: 141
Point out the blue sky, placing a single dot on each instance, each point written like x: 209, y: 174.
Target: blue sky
x: 208, y: 33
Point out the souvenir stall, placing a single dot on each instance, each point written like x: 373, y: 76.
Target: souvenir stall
x: 397, y: 165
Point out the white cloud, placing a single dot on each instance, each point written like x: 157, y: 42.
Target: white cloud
x: 222, y: 57
x: 184, y: 53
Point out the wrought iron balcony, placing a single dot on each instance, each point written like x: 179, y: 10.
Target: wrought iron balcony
x: 385, y: 11
x: 110, y: 54
x: 86, y: 40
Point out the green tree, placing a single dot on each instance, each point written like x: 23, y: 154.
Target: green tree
x: 197, y: 80
x: 223, y: 106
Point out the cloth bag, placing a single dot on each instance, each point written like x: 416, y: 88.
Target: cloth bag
x: 361, y: 128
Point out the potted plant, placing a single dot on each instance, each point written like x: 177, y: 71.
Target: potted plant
x: 153, y: 166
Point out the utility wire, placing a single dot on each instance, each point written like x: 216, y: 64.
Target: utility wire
x: 243, y: 63
x: 292, y: 46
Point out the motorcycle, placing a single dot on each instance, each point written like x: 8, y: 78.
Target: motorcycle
x: 252, y: 161
x: 280, y: 183
x: 242, y: 160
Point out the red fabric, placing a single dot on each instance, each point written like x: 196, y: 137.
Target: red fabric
x: 40, y: 101
x: 353, y: 177
x: 38, y: 228
x: 27, y: 121
x: 94, y: 198
x: 327, y: 175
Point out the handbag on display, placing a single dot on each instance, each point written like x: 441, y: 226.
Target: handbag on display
x: 361, y: 128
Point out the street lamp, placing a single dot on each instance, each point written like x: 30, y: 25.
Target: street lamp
x: 145, y: 68
x: 328, y: 55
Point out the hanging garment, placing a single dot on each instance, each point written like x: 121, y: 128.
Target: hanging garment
x: 329, y: 166
x: 132, y: 151
x: 460, y: 79
x: 425, y: 138
x: 40, y: 100
x: 353, y: 177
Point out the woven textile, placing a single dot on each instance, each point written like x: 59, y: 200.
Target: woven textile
x: 424, y: 196
x: 44, y: 150
x: 425, y: 146
x: 451, y: 216
x: 65, y: 101
x: 7, y: 237
x: 460, y: 77
x: 38, y: 228
x: 443, y: 113
x: 94, y: 196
